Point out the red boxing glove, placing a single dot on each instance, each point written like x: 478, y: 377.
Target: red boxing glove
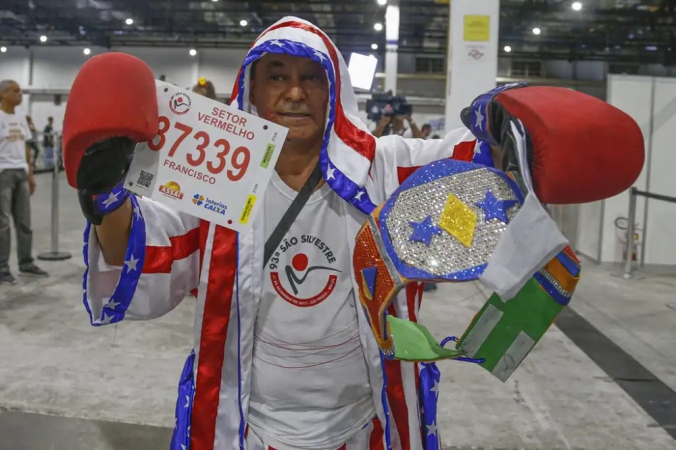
x: 113, y: 96
x: 580, y: 149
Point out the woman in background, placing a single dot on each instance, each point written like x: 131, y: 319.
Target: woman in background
x: 205, y: 88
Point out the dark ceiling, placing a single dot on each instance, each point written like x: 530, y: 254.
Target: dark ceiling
x: 613, y: 30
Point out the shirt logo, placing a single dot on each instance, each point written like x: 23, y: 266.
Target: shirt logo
x: 301, y: 283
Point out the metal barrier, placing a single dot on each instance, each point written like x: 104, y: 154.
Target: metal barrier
x: 629, y: 250
x: 54, y: 254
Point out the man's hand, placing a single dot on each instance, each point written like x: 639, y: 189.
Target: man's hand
x: 31, y: 183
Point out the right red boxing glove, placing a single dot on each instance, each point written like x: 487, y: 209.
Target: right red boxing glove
x: 113, y: 96
x: 111, y: 107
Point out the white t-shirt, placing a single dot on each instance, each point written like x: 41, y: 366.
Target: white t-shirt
x: 14, y: 132
x: 310, y: 385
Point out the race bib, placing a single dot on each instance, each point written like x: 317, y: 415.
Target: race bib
x: 209, y: 160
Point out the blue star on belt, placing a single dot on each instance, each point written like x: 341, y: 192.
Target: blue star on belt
x: 494, y: 208
x: 424, y: 231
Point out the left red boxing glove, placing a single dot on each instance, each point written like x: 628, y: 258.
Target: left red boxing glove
x: 111, y: 107
x: 580, y: 149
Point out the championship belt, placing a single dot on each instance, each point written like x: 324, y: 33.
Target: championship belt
x: 443, y: 225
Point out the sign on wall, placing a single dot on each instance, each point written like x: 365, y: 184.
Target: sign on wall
x: 477, y: 28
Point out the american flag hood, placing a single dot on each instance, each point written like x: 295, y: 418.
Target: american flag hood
x: 348, y: 148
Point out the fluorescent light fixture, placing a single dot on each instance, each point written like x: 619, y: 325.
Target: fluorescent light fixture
x: 508, y: 48
x: 382, y: 2
x: 536, y: 31
x: 374, y: 46
x: 362, y: 69
x: 378, y: 26
x: 577, y: 6
x: 3, y: 49
x: 243, y: 22
x: 193, y: 52
x: 43, y: 38
x: 86, y: 51
x: 129, y: 21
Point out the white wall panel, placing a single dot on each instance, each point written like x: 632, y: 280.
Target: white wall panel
x: 660, y: 236
x: 175, y: 63
x: 591, y: 70
x: 56, y: 67
x: 558, y: 69
x: 14, y: 65
x: 221, y: 67
x: 589, y: 222
x: 43, y: 106
x: 633, y: 95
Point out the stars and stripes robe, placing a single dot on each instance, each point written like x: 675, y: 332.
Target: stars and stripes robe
x: 171, y: 254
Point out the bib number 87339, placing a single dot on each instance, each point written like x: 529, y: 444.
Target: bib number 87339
x: 239, y: 160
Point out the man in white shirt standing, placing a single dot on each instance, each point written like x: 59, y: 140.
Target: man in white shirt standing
x: 16, y: 184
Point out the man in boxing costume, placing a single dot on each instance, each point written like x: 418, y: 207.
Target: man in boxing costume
x: 282, y: 359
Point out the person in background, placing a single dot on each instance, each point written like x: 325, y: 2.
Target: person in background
x: 48, y: 143
x: 425, y: 131
x: 16, y: 184
x: 33, y: 141
x: 391, y: 124
x: 205, y: 88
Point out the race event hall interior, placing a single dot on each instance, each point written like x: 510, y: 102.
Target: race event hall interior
x: 338, y: 225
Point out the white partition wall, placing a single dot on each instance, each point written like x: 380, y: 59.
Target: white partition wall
x: 651, y: 102
x: 633, y: 95
x: 45, y: 72
x: 660, y: 232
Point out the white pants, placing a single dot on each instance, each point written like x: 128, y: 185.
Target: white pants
x: 371, y: 437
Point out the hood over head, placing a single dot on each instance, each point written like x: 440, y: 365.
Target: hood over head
x: 348, y: 148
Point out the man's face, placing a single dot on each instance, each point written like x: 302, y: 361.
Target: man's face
x: 425, y: 132
x: 12, y: 95
x: 293, y: 92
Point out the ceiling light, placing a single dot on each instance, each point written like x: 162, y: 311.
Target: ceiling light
x: 577, y: 6
x: 374, y: 46
x: 536, y: 31
x: 43, y: 38
x: 129, y: 21
x: 86, y: 51
x: 3, y: 49
x: 378, y: 26
x: 243, y: 22
x: 382, y: 2
x: 214, y: 1
x: 193, y: 52
x: 508, y: 48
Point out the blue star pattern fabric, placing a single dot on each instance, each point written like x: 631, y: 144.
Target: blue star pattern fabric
x: 423, y: 231
x: 479, y: 112
x: 114, y: 311
x: 429, y: 397
x: 494, y: 208
x: 107, y: 203
x: 180, y: 439
x: 482, y: 155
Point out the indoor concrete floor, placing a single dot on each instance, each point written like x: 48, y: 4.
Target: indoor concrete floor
x: 603, y: 378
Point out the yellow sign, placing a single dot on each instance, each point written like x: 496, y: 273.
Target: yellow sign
x: 246, y: 212
x: 477, y: 28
